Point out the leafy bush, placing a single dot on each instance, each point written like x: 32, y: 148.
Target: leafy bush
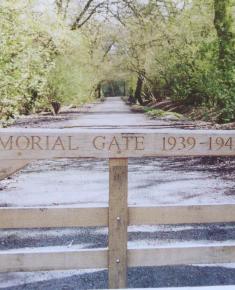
x: 187, y: 55
x: 158, y: 113
x: 26, y: 59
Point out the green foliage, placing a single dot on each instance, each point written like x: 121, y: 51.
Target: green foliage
x: 82, y: 66
x: 158, y: 113
x: 224, y: 27
x: 186, y: 54
x: 114, y: 88
x: 182, y: 52
x: 26, y: 58
x: 69, y: 81
x: 42, y: 61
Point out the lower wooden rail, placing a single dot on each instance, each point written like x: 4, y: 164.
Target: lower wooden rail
x: 44, y: 260
x: 182, y: 255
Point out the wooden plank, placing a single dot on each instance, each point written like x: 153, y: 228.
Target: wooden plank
x: 178, y: 214
x: 182, y: 255
x: 47, y: 217
x: 30, y: 144
x: 31, y: 217
x: 9, y: 167
x: 118, y: 221
x: 86, y: 216
x: 46, y: 260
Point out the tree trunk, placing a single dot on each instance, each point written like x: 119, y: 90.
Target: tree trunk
x: 138, y: 89
x: 56, y: 107
x: 98, y: 91
x: 223, y: 25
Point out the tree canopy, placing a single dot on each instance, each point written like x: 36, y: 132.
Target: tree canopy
x: 69, y: 51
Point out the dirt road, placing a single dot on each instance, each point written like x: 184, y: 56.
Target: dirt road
x: 151, y: 181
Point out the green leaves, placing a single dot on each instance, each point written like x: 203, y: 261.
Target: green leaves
x: 192, y: 57
x: 25, y: 61
x: 183, y: 52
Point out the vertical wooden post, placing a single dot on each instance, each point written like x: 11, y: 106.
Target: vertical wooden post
x: 118, y: 222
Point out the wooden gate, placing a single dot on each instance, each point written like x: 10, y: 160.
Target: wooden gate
x: 20, y: 147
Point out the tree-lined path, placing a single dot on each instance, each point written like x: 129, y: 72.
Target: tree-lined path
x: 175, y: 61
x: 113, y: 113
x: 152, y: 181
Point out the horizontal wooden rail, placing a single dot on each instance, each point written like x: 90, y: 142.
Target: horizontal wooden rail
x: 181, y: 255
x: 48, y: 217
x: 32, y: 144
x: 45, y: 260
x: 181, y: 214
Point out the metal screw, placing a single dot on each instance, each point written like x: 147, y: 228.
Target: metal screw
x: 117, y: 261
x: 118, y: 218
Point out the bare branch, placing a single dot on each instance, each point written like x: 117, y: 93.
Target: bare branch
x: 78, y: 23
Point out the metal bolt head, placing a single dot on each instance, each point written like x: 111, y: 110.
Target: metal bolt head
x: 117, y: 261
x: 118, y: 218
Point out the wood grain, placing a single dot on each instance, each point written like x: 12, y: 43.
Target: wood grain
x: 9, y: 167
x: 118, y: 221
x: 45, y: 260
x: 181, y: 255
x: 182, y: 214
x: 48, y: 217
x: 30, y: 144
x: 42, y: 217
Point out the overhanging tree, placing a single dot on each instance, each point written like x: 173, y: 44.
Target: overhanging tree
x: 223, y: 22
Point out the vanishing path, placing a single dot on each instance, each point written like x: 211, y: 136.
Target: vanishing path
x: 85, y: 181
x: 114, y: 113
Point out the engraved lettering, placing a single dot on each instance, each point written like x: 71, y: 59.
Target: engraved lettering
x: 172, y: 142
x: 127, y: 141
x: 22, y: 142
x: 139, y: 145
x: 59, y: 143
x: 36, y: 142
x: 219, y: 143
x: 47, y: 143
x: 8, y: 144
x: 164, y: 144
x: 99, y: 142
x: 71, y: 144
x: 114, y: 142
x: 191, y: 141
x: 180, y: 143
